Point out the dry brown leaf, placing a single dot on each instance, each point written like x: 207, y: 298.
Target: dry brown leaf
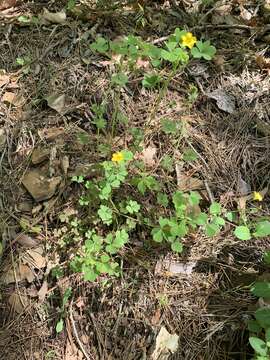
x: 72, y: 352
x: 4, y: 79
x: 20, y: 273
x: 26, y: 241
x: 172, y: 268
x: 56, y: 102
x: 242, y: 203
x: 35, y: 257
x: 9, y: 97
x: 185, y: 182
x: 3, y: 138
x: 51, y: 133
x: 6, y: 4
x: 18, y: 302
x: 65, y: 164
x: 263, y: 62
x: 245, y: 14
x: 166, y: 344
x: 243, y: 188
x: 43, y: 291
x: 142, y: 64
x: 148, y: 156
x: 12, y: 99
x: 225, y: 101
x: 181, y: 268
x: 156, y: 317
x: 55, y: 18
x: 224, y: 9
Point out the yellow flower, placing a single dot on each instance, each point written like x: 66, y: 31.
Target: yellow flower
x: 117, y: 157
x: 257, y: 196
x: 189, y: 40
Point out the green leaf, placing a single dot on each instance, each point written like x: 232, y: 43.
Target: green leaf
x: 177, y: 246
x: 179, y: 230
x: 261, y: 289
x: 89, y: 274
x: 230, y: 216
x: 20, y: 61
x: 59, y: 326
x: 105, y: 214
x: 122, y: 118
x: 211, y: 229
x: 194, y: 198
x: 178, y: 34
x: 179, y: 199
x: 189, y: 155
x: 242, y: 233
x: 162, y: 199
x: 67, y: 295
x: 128, y: 156
x: 266, y: 257
x: 133, y: 207
x: 157, y: 235
x: 175, y: 56
x: 105, y: 258
x: 167, y: 163
x: 258, y: 345
x: 267, y: 337
x: 215, y: 208
x: 71, y: 4
x: 263, y: 317
x: 201, y: 219
x: 203, y: 50
x: 171, y: 45
x: 101, y: 45
x: 105, y: 192
x: 24, y: 19
x: 151, y: 80
x: 262, y: 229
x: 121, y: 238
x: 218, y: 220
x: 168, y: 126
x: 111, y: 249
x: 119, y: 79
x: 253, y: 326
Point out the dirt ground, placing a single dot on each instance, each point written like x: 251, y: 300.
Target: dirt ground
x: 120, y: 318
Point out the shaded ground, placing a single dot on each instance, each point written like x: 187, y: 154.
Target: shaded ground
x: 120, y: 319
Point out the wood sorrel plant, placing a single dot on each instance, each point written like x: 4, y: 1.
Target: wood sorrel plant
x: 117, y: 214
x: 259, y: 327
x: 113, y: 214
x: 132, y: 55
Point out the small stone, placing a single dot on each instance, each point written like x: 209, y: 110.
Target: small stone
x: 39, y: 155
x: 39, y: 186
x: 25, y: 206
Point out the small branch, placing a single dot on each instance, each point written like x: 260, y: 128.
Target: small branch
x: 209, y: 192
x: 75, y: 332
x: 210, y: 26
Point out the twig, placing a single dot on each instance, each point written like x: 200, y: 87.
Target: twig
x: 76, y: 333
x: 209, y: 26
x: 209, y: 192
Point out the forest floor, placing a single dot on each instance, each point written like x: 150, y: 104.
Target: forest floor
x: 49, y: 80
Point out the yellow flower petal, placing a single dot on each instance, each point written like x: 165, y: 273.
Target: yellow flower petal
x: 257, y: 196
x: 117, y: 157
x: 189, y: 40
